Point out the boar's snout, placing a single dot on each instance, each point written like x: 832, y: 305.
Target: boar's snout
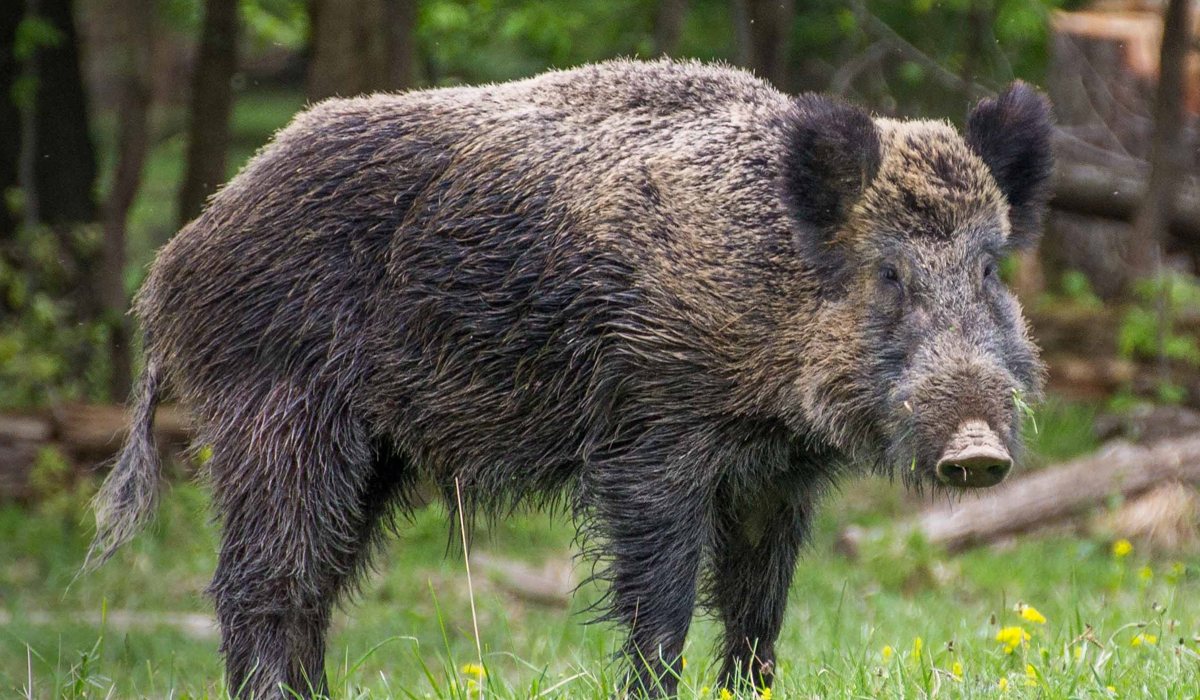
x: 974, y: 457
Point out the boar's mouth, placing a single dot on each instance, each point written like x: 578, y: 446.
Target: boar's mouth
x: 974, y: 458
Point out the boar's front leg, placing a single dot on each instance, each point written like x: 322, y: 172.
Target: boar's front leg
x: 654, y: 521
x: 754, y: 557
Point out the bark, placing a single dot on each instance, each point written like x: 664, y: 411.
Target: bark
x: 1168, y: 157
x: 1118, y: 193
x: 349, y: 49
x: 64, y: 169
x: 1063, y: 492
x: 10, y: 117
x: 136, y: 20
x: 668, y: 26
x: 212, y: 102
x: 401, y: 18
x: 762, y: 37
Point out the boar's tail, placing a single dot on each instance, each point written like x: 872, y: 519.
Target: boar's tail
x: 127, y: 500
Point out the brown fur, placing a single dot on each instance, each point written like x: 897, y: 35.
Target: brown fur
x: 652, y: 286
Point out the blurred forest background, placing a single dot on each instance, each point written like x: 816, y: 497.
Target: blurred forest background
x: 118, y: 118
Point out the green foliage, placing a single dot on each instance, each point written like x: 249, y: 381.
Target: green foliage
x: 276, y: 23
x: 267, y: 24
x: 494, y: 40
x: 33, y: 33
x: 47, y: 352
x: 1077, y: 289
x: 1142, y: 327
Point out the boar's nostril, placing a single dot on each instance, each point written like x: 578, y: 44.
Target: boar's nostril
x: 974, y: 457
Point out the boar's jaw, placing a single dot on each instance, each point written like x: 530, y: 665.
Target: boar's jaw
x: 974, y: 458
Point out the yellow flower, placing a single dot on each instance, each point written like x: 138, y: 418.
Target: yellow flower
x: 1012, y: 637
x: 725, y: 694
x: 683, y: 661
x: 1078, y: 653
x: 1144, y: 639
x: 1031, y: 675
x: 956, y: 669
x: 887, y: 653
x: 1030, y: 613
x: 1146, y: 573
x: 1122, y: 548
x: 765, y: 694
x: 1110, y: 689
x: 1003, y: 684
x: 918, y: 644
x: 473, y: 670
x: 704, y: 690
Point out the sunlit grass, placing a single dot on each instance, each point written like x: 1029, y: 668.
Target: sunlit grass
x: 410, y: 634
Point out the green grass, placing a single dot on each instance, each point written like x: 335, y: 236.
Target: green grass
x: 409, y: 634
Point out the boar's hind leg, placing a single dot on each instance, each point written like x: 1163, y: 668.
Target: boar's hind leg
x: 655, y: 529
x: 301, y: 499
x: 753, y: 561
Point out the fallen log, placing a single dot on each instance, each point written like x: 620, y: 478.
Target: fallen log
x: 1059, y: 493
x: 1115, y: 193
x: 84, y: 435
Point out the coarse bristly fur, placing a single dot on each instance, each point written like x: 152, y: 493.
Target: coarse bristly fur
x: 666, y: 290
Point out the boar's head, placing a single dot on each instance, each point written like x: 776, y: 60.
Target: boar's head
x: 918, y: 358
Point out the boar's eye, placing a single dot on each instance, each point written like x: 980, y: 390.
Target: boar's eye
x: 888, y: 273
x: 989, y: 269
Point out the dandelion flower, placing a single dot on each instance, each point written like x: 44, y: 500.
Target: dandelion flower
x: 1110, y: 689
x: 1146, y: 573
x: 704, y: 690
x: 725, y: 694
x: 1031, y: 675
x: 1031, y: 614
x: 1012, y: 637
x: 918, y: 645
x: 1078, y: 653
x: 956, y: 669
x: 1144, y: 639
x: 887, y: 653
x: 1122, y: 548
x: 473, y: 670
x: 1003, y: 684
x: 765, y: 694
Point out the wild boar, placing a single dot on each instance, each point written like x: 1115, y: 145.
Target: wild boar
x: 666, y: 292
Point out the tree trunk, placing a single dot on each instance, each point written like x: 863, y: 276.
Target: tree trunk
x: 1168, y: 157
x: 349, y: 49
x: 10, y: 116
x: 668, y: 26
x: 65, y: 164
x: 212, y: 101
x: 762, y: 36
x: 401, y: 18
x: 977, y: 22
x: 136, y: 21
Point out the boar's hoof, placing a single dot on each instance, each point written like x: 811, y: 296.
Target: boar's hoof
x: 974, y: 458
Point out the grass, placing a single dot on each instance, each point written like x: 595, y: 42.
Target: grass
x: 901, y: 620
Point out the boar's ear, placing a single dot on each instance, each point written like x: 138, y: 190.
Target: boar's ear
x: 833, y: 154
x: 1011, y: 133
